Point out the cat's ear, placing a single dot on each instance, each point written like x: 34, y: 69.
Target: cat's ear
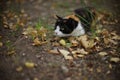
x: 58, y: 17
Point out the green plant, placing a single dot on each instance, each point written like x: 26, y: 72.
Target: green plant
x: 8, y: 44
x: 38, y: 25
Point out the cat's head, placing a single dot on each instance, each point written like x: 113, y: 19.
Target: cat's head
x: 64, y: 26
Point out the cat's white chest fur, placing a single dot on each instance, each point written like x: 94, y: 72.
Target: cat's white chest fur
x: 79, y: 30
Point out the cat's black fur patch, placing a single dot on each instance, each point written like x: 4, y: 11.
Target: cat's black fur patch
x: 66, y: 25
x: 86, y: 16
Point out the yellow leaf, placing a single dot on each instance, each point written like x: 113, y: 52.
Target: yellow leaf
x: 62, y: 42
x: 29, y: 64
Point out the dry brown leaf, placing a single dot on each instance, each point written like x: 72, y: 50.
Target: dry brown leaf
x: 29, y: 64
x: 11, y: 52
x: 55, y: 44
x: 113, y: 41
x: 1, y: 44
x: 91, y: 43
x: 80, y: 55
x: 110, y: 66
x: 42, y: 33
x: 35, y: 78
x: 98, y: 70
x: 106, y: 40
x: 74, y: 43
x: 30, y: 31
x: 105, y: 32
x: 20, y: 68
x: 115, y: 59
x: 85, y: 42
x: 80, y: 51
x: 36, y: 42
x: 115, y: 36
x: 103, y: 54
x: 66, y: 54
x: 55, y: 51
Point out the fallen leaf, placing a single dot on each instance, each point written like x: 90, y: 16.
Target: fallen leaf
x: 110, y: 66
x: 102, y: 53
x: 74, y: 43
x: 85, y: 42
x: 20, y: 68
x: 30, y: 31
x: 108, y: 72
x: 115, y: 59
x: 106, y: 40
x: 29, y: 64
x: 66, y: 54
x: 35, y: 78
x: 38, y: 42
x: 55, y: 44
x: 1, y: 44
x: 115, y: 36
x: 62, y: 42
x: 42, y: 33
x: 113, y: 41
x: 79, y: 53
x: 55, y: 51
x: 105, y: 32
x: 11, y: 52
x: 98, y: 70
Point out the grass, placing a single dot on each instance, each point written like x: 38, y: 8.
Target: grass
x: 8, y: 44
x: 41, y: 23
x: 38, y: 24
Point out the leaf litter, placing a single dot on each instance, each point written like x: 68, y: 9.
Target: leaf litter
x: 79, y: 47
x: 38, y: 35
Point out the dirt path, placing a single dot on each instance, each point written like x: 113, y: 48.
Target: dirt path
x: 48, y: 66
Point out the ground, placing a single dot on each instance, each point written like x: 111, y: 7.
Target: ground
x: 17, y: 50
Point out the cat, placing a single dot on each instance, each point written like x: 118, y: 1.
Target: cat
x: 76, y: 24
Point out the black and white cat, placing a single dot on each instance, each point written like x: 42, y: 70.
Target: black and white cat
x: 76, y: 24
